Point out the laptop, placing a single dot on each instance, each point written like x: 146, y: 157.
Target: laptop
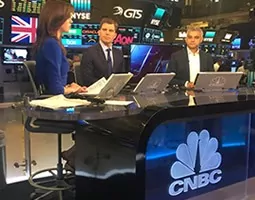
x: 153, y: 82
x: 109, y: 88
x: 217, y: 81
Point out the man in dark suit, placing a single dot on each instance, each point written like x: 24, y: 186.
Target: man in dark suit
x: 188, y: 62
x: 102, y: 59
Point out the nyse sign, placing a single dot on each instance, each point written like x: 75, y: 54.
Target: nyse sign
x: 81, y: 15
x: 2, y: 3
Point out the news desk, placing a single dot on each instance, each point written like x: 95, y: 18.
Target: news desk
x: 164, y: 147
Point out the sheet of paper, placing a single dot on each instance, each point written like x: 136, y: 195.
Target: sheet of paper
x: 59, y: 101
x: 118, y: 103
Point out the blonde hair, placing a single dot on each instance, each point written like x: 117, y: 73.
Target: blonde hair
x: 195, y: 28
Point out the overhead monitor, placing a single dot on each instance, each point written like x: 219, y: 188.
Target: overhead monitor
x: 152, y: 36
x: 236, y: 44
x: 157, y: 17
x: 81, y: 35
x: 27, y: 6
x: 127, y: 35
x: 179, y: 35
x: 209, y: 36
x: 23, y: 29
x: 228, y: 36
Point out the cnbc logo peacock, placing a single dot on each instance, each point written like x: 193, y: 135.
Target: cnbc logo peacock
x: 197, y: 164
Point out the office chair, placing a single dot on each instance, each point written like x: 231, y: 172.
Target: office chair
x: 44, y: 189
x: 30, y: 69
x: 77, y: 73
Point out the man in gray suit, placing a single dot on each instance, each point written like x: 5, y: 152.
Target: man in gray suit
x: 187, y: 62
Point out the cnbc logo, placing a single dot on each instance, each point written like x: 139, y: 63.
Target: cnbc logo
x: 82, y: 9
x: 200, y: 152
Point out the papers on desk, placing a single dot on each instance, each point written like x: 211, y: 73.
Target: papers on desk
x: 118, y: 103
x: 59, y: 101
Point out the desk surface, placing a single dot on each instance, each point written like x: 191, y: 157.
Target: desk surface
x: 171, y: 99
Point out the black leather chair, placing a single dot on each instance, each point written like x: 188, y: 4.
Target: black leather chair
x: 59, y: 181
x: 30, y: 69
x: 77, y: 73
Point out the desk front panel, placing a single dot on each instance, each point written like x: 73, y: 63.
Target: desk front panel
x: 185, y: 159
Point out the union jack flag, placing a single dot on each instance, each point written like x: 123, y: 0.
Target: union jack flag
x: 23, y: 29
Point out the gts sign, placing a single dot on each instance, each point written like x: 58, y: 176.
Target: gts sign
x: 1, y: 4
x: 128, y: 13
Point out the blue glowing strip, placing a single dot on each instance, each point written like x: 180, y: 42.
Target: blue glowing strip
x: 167, y: 153
x: 160, y: 155
x: 236, y: 144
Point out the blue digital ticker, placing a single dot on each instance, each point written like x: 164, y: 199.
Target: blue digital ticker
x: 81, y: 5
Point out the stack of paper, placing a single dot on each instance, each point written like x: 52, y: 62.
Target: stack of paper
x: 59, y: 101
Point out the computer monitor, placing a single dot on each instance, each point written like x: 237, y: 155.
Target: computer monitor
x: 14, y: 56
x: 147, y: 58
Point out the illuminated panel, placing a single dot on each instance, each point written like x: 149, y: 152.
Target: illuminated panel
x: 127, y: 35
x: 27, y: 6
x: 1, y: 30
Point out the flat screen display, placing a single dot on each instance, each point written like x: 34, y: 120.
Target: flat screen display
x: 27, y: 6
x: 127, y: 35
x: 228, y: 37
x: 157, y: 17
x: 236, y: 44
x: 152, y: 35
x: 146, y: 58
x: 23, y: 29
x: 209, y: 36
x: 14, y: 55
x: 81, y: 35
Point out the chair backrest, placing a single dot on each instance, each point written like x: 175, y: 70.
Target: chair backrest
x: 30, y: 68
x: 77, y: 73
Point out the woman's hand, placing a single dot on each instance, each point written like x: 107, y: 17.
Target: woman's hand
x: 75, y: 88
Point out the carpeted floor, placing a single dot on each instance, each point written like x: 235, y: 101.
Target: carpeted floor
x: 22, y: 191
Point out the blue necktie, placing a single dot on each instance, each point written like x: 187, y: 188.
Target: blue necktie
x: 109, y: 61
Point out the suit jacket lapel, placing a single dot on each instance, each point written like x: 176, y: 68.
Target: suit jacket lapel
x: 115, y: 58
x: 102, y: 57
x: 202, y: 61
x: 186, y: 62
